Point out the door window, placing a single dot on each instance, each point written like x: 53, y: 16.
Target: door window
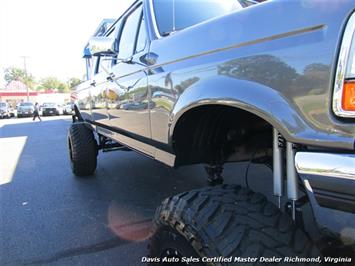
x: 128, y: 35
x: 172, y: 15
x: 142, y: 37
x: 104, y: 63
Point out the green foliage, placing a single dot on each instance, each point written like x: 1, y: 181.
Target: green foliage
x: 48, y: 83
x: 53, y: 83
x: 18, y: 74
x: 73, y: 82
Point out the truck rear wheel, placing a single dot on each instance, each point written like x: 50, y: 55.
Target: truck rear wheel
x: 228, y: 221
x: 82, y: 150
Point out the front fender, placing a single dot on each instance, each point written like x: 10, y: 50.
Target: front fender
x: 261, y: 100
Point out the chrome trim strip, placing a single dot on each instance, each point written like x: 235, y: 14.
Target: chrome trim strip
x: 140, y: 147
x: 246, y: 43
x: 326, y: 164
x: 235, y: 46
x: 341, y: 69
x: 165, y: 157
x: 133, y: 144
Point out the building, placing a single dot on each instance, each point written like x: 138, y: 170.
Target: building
x: 16, y: 92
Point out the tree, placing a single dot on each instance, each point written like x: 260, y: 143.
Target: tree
x: 18, y: 74
x: 264, y: 69
x: 73, y: 82
x: 53, y: 83
x: 315, y: 77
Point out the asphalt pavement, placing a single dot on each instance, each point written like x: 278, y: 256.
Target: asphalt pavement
x: 50, y: 217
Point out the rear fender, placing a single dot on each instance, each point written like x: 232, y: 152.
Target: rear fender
x: 257, y: 99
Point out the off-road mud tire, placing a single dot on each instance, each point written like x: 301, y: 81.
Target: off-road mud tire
x: 227, y: 221
x: 82, y: 150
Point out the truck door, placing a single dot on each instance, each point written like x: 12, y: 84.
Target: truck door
x: 82, y: 98
x: 127, y: 88
x: 102, y: 67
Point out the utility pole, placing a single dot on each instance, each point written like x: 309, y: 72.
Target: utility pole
x: 25, y: 69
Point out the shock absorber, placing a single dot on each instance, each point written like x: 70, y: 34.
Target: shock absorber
x: 278, y: 160
x: 280, y: 147
x: 292, y: 184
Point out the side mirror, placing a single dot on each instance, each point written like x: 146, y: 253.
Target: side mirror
x: 102, y: 46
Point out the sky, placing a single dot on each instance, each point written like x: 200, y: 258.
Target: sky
x: 51, y: 34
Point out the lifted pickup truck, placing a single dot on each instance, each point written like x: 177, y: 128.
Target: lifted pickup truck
x: 211, y: 82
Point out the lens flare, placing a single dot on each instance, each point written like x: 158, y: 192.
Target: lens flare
x: 128, y: 224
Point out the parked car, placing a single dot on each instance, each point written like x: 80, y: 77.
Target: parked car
x: 25, y: 109
x: 269, y: 83
x: 13, y: 111
x: 68, y: 109
x: 5, y: 110
x: 52, y: 109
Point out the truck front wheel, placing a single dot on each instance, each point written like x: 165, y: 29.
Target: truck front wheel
x: 82, y: 150
x: 226, y: 225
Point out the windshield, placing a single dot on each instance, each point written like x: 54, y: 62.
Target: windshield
x: 26, y: 104
x: 49, y: 104
x: 175, y: 15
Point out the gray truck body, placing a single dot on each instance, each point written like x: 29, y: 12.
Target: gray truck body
x: 276, y: 61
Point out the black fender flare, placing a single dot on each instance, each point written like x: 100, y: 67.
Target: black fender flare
x: 77, y: 115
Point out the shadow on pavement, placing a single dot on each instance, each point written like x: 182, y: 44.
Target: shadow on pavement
x: 48, y: 215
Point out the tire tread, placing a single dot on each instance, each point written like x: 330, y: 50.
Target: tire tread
x: 233, y: 221
x: 84, y: 150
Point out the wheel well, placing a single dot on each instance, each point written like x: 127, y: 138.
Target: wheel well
x: 217, y: 134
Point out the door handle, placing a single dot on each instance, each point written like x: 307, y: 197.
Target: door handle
x: 149, y: 58
x: 128, y: 60
x: 93, y: 83
x: 110, y: 77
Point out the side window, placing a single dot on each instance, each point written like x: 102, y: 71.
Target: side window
x: 103, y: 63
x: 142, y: 37
x: 172, y: 15
x: 128, y: 35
